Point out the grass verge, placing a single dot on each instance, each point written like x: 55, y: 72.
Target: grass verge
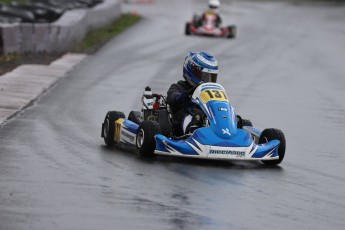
x: 91, y: 43
x: 96, y: 38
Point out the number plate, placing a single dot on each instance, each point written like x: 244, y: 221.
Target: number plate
x: 213, y: 95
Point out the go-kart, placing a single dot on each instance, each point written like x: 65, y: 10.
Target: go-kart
x: 222, y: 135
x: 208, y: 27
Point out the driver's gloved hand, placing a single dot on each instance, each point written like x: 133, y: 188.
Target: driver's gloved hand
x: 196, y: 123
x: 197, y: 116
x: 197, y: 119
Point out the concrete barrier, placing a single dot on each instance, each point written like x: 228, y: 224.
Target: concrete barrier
x: 58, y: 36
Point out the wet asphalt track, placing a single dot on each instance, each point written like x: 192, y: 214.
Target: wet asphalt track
x: 285, y: 70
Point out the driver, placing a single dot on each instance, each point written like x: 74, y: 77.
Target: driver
x: 198, y: 67
x: 213, y: 6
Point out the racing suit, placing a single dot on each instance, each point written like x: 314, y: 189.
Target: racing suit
x: 178, y: 99
x: 203, y: 17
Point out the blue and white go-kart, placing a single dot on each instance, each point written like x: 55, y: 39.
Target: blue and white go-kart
x: 223, y: 135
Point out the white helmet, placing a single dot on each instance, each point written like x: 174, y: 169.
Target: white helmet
x: 214, y: 4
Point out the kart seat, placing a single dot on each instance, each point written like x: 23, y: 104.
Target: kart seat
x: 164, y: 122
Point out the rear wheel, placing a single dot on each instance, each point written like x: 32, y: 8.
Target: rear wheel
x: 108, y: 126
x: 135, y: 116
x: 187, y: 28
x: 274, y: 134
x: 146, y: 143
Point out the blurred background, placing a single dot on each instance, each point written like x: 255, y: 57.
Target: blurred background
x: 284, y: 69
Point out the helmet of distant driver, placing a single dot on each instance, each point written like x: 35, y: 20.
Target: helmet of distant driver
x: 213, y: 4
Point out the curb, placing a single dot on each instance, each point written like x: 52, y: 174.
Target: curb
x: 22, y: 86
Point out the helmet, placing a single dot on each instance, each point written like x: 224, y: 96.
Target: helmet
x: 200, y: 67
x: 213, y: 4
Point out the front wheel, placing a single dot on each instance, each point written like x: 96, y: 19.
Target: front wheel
x: 274, y: 134
x: 146, y: 143
x: 108, y: 126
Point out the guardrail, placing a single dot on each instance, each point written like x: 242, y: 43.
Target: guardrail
x: 59, y: 36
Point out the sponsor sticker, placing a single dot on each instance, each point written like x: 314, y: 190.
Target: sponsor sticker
x: 226, y: 131
x: 131, y: 138
x: 227, y: 152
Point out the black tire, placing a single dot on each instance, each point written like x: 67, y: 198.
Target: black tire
x: 187, y: 28
x: 246, y: 122
x: 135, y: 116
x: 108, y: 126
x: 145, y: 141
x: 274, y: 134
x: 232, y: 31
